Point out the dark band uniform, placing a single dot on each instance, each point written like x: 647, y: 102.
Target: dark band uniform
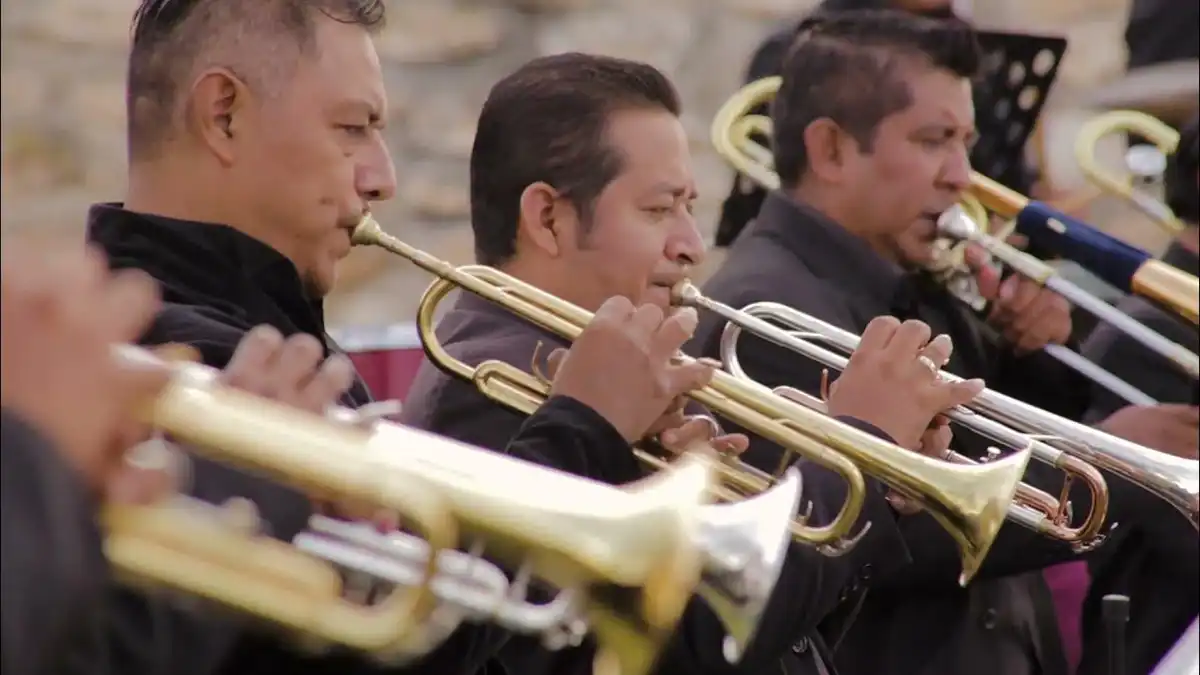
x: 1155, y: 568
x: 54, y: 567
x: 919, y: 621
x: 217, y: 284
x: 811, y: 586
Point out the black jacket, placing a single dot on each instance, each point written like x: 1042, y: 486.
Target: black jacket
x: 811, y: 587
x: 54, y: 568
x: 919, y: 621
x: 1155, y: 566
x: 217, y: 283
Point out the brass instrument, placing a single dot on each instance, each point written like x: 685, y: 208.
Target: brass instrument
x: 1126, y: 267
x: 626, y: 560
x: 1076, y: 448
x: 798, y: 332
x: 1143, y: 187
x: 970, y: 502
x: 959, y: 226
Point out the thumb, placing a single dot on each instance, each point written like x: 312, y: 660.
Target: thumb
x: 688, y: 377
x: 1184, y: 413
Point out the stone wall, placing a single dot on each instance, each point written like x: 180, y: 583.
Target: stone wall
x: 63, y: 107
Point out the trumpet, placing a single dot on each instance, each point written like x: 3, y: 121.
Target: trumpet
x: 970, y: 502
x: 1126, y: 267
x: 1146, y: 163
x: 794, y: 330
x: 1081, y: 449
x: 626, y: 561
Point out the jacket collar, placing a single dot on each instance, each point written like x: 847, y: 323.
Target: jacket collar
x: 827, y: 249
x: 206, y: 263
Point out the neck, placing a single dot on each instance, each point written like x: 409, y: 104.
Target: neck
x: 841, y: 211
x: 162, y: 188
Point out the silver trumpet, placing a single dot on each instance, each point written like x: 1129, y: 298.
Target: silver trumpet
x: 1031, y: 508
x: 743, y: 547
x: 1077, y: 448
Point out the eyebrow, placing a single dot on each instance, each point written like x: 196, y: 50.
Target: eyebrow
x: 673, y: 189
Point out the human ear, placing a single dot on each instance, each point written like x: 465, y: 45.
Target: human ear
x: 214, y: 110
x: 541, y: 218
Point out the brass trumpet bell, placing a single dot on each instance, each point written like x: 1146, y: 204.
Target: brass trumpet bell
x: 745, y: 544
x: 632, y: 557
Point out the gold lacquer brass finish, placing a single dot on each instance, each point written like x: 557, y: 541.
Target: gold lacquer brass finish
x: 1143, y: 162
x: 970, y: 500
x: 630, y: 559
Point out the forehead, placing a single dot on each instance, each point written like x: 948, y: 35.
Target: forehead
x: 653, y: 145
x: 938, y: 97
x: 342, y: 66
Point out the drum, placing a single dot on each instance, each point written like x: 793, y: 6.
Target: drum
x: 387, y: 357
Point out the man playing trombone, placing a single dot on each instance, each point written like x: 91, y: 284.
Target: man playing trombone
x: 255, y: 143
x: 873, y: 124
x: 1156, y: 570
x: 597, y: 203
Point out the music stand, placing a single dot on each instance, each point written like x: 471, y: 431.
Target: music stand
x: 1010, y: 93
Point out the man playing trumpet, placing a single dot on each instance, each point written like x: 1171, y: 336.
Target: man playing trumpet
x: 256, y: 145
x: 581, y: 185
x: 873, y: 123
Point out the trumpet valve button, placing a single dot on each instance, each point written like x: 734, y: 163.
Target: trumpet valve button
x: 241, y: 514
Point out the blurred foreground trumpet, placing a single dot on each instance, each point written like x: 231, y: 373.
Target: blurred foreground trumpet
x: 627, y: 561
x: 970, y: 502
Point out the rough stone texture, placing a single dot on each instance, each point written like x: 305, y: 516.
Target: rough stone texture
x: 63, y: 107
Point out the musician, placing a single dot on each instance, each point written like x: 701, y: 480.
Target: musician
x: 255, y: 145
x: 746, y: 197
x: 873, y: 124
x: 64, y: 421
x: 581, y: 185
x: 1156, y: 569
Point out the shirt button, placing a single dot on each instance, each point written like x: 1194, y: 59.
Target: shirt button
x: 989, y: 618
x: 800, y: 647
x: 865, y: 573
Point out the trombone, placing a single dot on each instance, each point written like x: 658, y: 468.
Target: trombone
x: 1146, y: 163
x: 970, y: 502
x: 1126, y: 267
x: 731, y: 131
x: 584, y: 537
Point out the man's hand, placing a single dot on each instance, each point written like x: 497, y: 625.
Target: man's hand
x: 622, y: 365
x: 62, y: 311
x: 676, y: 432
x: 1170, y: 428
x: 1027, y: 315
x: 892, y: 381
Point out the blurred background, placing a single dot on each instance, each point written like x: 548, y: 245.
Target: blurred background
x: 63, y: 134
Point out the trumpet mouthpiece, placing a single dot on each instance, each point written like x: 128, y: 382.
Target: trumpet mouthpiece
x: 956, y: 224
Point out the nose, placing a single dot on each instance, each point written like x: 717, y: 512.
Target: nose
x: 956, y: 172
x: 375, y: 175
x: 685, y: 246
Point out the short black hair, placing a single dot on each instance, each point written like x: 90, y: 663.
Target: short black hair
x: 1180, y: 179
x: 847, y: 67
x: 171, y: 39
x: 547, y: 122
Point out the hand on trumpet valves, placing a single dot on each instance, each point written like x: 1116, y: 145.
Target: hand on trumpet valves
x: 891, y: 381
x: 1028, y: 315
x: 62, y: 311
x: 935, y: 442
x: 295, y: 371
x: 1173, y: 428
x: 623, y: 365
